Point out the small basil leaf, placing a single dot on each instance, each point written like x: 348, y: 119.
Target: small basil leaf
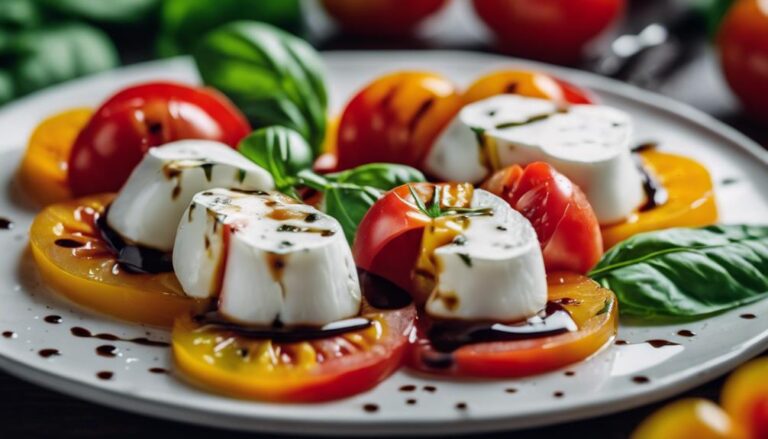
x: 281, y: 151
x: 18, y: 14
x: 348, y: 195
x: 272, y: 76
x: 379, y: 175
x: 687, y: 272
x: 50, y: 55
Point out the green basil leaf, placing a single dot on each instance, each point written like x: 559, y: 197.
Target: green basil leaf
x: 687, y: 272
x: 281, y: 151
x: 103, y: 11
x: 183, y: 21
x: 6, y: 87
x: 348, y: 195
x: 18, y: 14
x: 50, y: 55
x: 272, y: 76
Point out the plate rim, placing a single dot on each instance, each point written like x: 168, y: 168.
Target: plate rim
x: 117, y: 398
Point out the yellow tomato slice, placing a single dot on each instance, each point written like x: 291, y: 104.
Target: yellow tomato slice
x: 43, y: 170
x: 593, y: 308
x: 691, y: 200
x: 689, y: 419
x: 82, y: 268
x: 306, y: 371
x: 745, y: 397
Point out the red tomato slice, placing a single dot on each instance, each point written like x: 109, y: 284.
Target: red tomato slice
x: 140, y: 117
x: 592, y: 308
x: 380, y: 17
x: 564, y: 221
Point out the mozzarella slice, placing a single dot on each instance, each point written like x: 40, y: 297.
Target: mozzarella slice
x: 148, y: 208
x: 493, y: 269
x: 267, y: 258
x: 587, y: 143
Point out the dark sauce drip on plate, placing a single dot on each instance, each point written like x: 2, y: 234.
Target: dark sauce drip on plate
x: 748, y: 316
x: 408, y: 388
x: 646, y: 146
x: 640, y: 379
x: 686, y: 333
x: 371, y: 408
x: 410, y: 401
x: 461, y: 406
x: 107, y: 350
x: 48, y: 353
x: 448, y: 335
x: 78, y: 331
x: 158, y: 370
x: 558, y: 394
x: 621, y: 342
x: 105, y: 375
x: 658, y: 343
x: 53, y: 319
x: 5, y: 224
x: 9, y: 334
x: 133, y: 258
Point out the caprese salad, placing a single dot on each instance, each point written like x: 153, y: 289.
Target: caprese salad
x: 294, y: 266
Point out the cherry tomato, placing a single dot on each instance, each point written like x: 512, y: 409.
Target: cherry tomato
x: 76, y: 262
x: 140, y: 117
x: 43, y: 170
x: 745, y: 397
x: 396, y: 119
x: 743, y: 42
x: 564, y: 221
x: 306, y: 371
x: 551, y: 30
x: 380, y: 17
x: 526, y: 83
x: 689, y: 418
x: 592, y: 308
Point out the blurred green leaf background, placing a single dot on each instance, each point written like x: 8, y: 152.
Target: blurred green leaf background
x: 44, y: 42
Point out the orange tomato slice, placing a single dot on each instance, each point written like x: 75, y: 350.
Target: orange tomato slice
x: 81, y: 267
x: 688, y: 419
x: 43, y: 170
x: 306, y: 371
x: 745, y: 397
x: 691, y: 200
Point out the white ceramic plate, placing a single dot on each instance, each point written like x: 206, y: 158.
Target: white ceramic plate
x: 604, y: 384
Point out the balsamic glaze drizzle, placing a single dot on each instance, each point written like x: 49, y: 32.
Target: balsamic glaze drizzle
x: 133, y: 258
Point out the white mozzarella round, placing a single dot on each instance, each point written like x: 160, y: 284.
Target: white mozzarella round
x: 147, y: 209
x: 495, y: 270
x: 267, y: 258
x: 587, y: 143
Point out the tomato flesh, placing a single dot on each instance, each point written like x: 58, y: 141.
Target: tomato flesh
x: 594, y: 310
x: 565, y: 223
x: 76, y: 263
x: 306, y: 371
x: 140, y: 117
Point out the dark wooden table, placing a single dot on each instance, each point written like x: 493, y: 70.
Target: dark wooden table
x: 27, y: 410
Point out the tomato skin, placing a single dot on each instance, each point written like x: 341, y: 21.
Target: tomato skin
x: 743, y: 43
x: 550, y: 30
x: 388, y: 238
x: 745, y: 397
x: 527, y: 83
x: 507, y: 359
x: 307, y: 379
x: 143, y: 116
x: 380, y: 17
x: 564, y: 221
x: 396, y: 119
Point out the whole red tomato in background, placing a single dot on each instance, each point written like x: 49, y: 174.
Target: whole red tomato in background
x: 550, y: 30
x: 743, y: 41
x: 129, y: 123
x: 380, y: 17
